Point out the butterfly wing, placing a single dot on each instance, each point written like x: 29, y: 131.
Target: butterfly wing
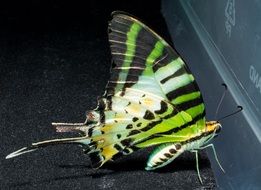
x: 143, y: 60
x: 151, y: 94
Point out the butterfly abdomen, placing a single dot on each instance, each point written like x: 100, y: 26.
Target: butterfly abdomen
x: 163, y: 155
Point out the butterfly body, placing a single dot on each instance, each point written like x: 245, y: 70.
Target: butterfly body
x: 151, y: 99
x: 167, y: 152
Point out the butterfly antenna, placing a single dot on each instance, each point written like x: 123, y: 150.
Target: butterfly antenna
x: 239, y: 109
x: 221, y: 100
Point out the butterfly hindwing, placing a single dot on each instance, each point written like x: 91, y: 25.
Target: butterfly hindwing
x: 125, y: 117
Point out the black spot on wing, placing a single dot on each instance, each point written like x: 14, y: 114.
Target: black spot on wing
x: 133, y: 132
x: 126, y: 151
x: 129, y: 126
x: 118, y: 136
x: 163, y: 108
x: 139, y: 124
x: 126, y: 142
x: 148, y: 115
x: 117, y: 147
x: 134, y: 119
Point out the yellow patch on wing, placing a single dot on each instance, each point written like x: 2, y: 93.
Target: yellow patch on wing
x: 134, y: 108
x: 147, y: 101
x: 108, y: 152
x: 107, y: 128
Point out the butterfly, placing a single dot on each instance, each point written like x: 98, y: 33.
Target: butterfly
x: 151, y: 99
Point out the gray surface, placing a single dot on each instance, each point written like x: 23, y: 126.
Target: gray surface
x: 221, y: 41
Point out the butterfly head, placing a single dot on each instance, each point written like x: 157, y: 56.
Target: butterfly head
x: 213, y: 127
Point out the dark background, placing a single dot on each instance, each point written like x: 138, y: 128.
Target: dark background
x: 54, y: 62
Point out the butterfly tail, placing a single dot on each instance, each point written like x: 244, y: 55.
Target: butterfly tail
x: 60, y: 127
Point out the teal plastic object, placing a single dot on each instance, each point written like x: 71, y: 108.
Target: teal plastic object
x: 221, y: 42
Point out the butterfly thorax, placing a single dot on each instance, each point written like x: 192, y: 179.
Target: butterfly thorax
x: 212, y: 128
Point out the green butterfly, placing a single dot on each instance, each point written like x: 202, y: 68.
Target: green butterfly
x: 151, y: 99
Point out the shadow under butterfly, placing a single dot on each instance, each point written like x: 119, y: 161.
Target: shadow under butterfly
x: 151, y: 99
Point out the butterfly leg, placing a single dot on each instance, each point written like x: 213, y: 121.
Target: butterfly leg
x: 215, y: 155
x: 197, y: 165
